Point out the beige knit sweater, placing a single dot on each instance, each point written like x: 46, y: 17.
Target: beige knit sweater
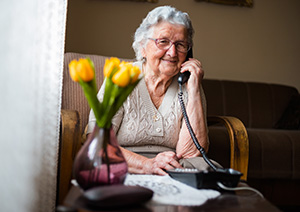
x: 141, y: 127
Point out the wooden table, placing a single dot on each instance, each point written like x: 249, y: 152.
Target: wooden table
x: 228, y: 201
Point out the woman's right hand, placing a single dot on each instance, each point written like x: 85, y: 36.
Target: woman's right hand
x: 163, y: 161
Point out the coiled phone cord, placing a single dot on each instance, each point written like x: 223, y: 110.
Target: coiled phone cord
x: 194, y: 138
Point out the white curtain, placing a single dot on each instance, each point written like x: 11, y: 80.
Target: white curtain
x: 31, y: 62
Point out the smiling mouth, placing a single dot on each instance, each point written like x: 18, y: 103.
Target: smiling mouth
x: 170, y: 60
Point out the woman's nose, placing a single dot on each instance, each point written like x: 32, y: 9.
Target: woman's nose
x: 172, y: 50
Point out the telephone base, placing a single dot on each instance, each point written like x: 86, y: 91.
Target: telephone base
x: 206, y: 179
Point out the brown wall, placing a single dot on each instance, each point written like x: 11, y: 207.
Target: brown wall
x: 259, y: 44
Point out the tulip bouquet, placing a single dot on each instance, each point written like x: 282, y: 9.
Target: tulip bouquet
x: 100, y: 160
x: 120, y: 79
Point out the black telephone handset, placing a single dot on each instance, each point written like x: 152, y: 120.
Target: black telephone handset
x: 183, y: 77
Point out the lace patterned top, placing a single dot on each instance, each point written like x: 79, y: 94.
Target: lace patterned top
x: 141, y: 127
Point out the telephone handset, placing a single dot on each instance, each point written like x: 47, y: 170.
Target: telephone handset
x: 183, y: 77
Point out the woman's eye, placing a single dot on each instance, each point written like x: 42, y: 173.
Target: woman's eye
x: 163, y: 41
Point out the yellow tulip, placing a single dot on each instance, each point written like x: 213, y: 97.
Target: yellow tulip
x: 110, y: 65
x: 81, y: 69
x: 134, y: 74
x: 122, y: 77
x: 84, y: 70
x: 73, y: 71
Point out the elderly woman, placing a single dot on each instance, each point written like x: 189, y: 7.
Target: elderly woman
x: 149, y: 126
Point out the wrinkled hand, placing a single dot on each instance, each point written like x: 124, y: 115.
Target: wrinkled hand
x: 163, y: 161
x: 194, y: 66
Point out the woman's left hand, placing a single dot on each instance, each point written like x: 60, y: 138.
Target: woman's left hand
x: 194, y: 66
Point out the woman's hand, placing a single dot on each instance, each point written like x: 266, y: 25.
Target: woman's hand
x: 138, y: 164
x: 163, y: 161
x: 194, y: 66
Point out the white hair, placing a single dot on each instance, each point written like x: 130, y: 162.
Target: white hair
x: 157, y: 15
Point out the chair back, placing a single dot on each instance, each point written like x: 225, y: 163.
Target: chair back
x: 257, y: 105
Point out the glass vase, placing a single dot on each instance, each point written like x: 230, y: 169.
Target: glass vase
x: 100, y: 160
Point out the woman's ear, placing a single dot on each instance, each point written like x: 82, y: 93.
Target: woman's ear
x: 143, y: 52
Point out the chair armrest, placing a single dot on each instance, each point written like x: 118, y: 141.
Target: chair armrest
x: 239, y: 142
x: 70, y: 143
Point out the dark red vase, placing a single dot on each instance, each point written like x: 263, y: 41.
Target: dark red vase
x: 100, y: 161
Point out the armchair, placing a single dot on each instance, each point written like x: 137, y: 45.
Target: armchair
x: 74, y: 117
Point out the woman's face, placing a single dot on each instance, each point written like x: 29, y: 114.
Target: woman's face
x: 165, y: 63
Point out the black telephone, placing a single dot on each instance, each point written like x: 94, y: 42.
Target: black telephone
x: 183, y: 77
x: 194, y: 177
